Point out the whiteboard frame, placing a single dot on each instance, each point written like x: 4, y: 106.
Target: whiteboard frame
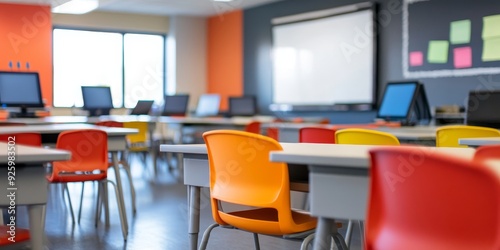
x: 324, y: 14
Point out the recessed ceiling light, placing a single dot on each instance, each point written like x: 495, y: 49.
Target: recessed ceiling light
x: 76, y: 7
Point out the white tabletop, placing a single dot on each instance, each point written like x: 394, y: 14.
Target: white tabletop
x: 345, y: 155
x: 26, y: 154
x: 57, y: 128
x: 480, y: 141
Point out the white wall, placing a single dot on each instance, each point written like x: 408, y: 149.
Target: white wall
x: 186, y: 57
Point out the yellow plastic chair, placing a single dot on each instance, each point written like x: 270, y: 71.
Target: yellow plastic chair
x: 448, y: 136
x: 361, y: 136
x: 241, y: 174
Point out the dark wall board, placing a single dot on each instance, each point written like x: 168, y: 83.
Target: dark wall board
x: 258, y: 66
x: 458, y: 42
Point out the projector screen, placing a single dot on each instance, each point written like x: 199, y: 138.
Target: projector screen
x: 326, y: 60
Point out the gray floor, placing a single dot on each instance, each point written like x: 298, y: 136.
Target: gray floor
x: 160, y: 222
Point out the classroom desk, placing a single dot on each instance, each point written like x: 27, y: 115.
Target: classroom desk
x: 116, y: 143
x: 338, y: 180
x: 341, y: 170
x: 480, y: 141
x: 30, y: 183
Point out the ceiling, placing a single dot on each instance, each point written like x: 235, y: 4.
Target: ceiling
x: 162, y: 7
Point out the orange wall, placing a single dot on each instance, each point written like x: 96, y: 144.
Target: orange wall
x: 225, y: 55
x: 26, y: 37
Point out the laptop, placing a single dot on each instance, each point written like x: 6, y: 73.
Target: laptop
x: 142, y: 107
x: 208, y: 105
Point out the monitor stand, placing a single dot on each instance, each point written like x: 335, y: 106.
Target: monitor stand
x: 23, y: 114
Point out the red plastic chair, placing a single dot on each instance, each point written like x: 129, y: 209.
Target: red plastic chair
x: 22, y: 238
x: 114, y: 124
x: 487, y: 152
x: 253, y: 127
x: 317, y: 135
x: 89, y: 162
x: 28, y: 139
x: 426, y: 200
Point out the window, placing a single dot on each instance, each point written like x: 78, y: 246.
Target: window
x: 131, y: 64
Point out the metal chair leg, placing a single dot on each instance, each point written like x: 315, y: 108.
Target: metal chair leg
x: 126, y: 167
x: 98, y: 203
x: 206, y: 236
x: 121, y: 210
x: 307, y: 240
x: 340, y: 242
x: 256, y: 241
x: 105, y: 200
x: 65, y: 189
x: 348, y: 234
x: 81, y: 203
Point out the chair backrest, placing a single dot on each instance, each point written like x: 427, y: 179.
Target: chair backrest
x: 28, y: 139
x: 114, y: 124
x: 241, y: 173
x: 365, y: 137
x: 427, y: 200
x: 253, y: 127
x: 487, y: 152
x: 448, y: 136
x: 89, y: 154
x: 141, y: 136
x: 316, y: 135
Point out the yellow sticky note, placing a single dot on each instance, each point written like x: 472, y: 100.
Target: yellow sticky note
x: 460, y: 32
x: 438, y: 52
x: 491, y: 50
x: 491, y: 26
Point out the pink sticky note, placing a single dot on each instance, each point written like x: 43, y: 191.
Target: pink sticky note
x: 462, y: 57
x: 416, y: 58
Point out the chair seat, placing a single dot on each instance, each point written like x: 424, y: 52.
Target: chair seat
x: 253, y: 220
x: 21, y: 235
x: 76, y: 177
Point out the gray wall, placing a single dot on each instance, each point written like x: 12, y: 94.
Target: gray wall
x: 258, y: 67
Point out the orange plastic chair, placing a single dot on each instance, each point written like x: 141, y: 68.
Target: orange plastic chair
x: 316, y: 135
x: 362, y: 136
x: 487, y: 152
x: 447, y: 136
x: 253, y: 127
x: 28, y: 139
x: 252, y: 180
x: 89, y: 162
x: 431, y: 201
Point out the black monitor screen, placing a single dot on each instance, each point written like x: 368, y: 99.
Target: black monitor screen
x: 242, y: 106
x: 97, y: 100
x: 483, y: 109
x: 20, y: 89
x: 175, y: 105
x: 208, y: 105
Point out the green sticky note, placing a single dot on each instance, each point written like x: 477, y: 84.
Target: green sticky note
x: 491, y: 26
x: 491, y: 50
x: 438, y: 52
x: 460, y: 32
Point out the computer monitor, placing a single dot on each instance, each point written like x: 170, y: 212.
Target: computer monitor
x: 208, y: 105
x: 405, y: 102
x: 21, y: 90
x: 97, y: 100
x: 175, y: 105
x: 242, y: 106
x: 482, y: 109
x: 142, y: 107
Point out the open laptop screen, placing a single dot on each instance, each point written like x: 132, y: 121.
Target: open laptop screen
x: 483, y: 109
